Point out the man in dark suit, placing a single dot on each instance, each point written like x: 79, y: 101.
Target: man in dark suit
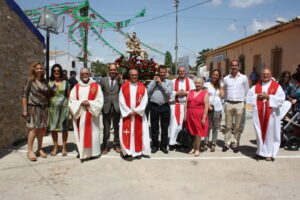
x: 110, y: 86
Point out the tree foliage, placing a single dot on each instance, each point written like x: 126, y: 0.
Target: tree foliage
x: 99, y: 68
x: 168, y: 62
x: 201, y: 59
x: 168, y: 59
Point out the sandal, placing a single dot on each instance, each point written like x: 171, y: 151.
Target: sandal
x: 192, y: 152
x: 213, y: 148
x: 64, y: 154
x: 270, y: 159
x: 33, y: 158
x: 53, y: 153
x: 41, y: 154
x: 205, y: 146
x: 197, y: 153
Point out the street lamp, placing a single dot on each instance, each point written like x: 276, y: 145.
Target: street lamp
x: 176, y: 4
x: 49, y: 22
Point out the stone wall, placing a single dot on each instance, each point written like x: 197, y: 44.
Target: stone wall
x: 19, y: 47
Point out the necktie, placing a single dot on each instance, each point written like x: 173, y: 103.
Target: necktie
x: 111, y: 84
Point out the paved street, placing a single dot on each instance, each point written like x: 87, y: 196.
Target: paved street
x: 215, y: 175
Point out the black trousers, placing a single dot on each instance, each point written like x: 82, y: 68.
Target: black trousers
x: 159, y: 113
x: 114, y: 116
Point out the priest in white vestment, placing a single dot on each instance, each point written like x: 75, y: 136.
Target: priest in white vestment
x: 181, y: 87
x: 267, y: 98
x: 134, y: 129
x: 85, y: 104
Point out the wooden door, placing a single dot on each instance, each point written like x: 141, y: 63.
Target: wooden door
x: 257, y: 63
x: 276, y: 60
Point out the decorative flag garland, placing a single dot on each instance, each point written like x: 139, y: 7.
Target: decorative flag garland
x: 94, y: 22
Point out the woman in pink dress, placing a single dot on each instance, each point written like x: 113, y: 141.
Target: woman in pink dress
x: 196, y: 109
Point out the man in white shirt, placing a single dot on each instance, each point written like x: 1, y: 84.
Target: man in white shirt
x: 236, y: 87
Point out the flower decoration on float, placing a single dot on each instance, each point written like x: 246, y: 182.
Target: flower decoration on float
x: 146, y: 67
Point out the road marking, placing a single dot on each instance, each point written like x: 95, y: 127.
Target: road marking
x: 177, y: 158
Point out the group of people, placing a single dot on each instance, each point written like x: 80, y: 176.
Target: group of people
x: 173, y: 105
x: 290, y: 84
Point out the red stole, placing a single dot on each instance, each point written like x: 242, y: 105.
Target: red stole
x: 88, y: 117
x: 126, y: 129
x: 264, y: 111
x: 177, y: 105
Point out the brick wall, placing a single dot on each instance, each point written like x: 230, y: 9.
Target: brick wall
x: 19, y: 47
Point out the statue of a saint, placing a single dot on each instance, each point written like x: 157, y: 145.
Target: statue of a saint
x: 134, y: 46
x: 133, y: 43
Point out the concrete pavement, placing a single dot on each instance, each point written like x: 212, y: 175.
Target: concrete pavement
x: 215, y: 175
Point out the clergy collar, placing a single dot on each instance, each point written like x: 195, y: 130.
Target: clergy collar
x: 81, y: 83
x: 133, y: 83
x: 266, y: 83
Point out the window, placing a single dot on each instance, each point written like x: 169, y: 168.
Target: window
x: 73, y: 64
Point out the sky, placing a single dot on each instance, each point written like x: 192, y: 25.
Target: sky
x: 209, y: 25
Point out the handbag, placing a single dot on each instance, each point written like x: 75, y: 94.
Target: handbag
x: 184, y: 137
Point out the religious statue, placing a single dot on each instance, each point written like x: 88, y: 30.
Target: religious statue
x: 134, y: 47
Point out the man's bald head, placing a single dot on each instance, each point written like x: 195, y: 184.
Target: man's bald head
x: 84, y: 70
x: 133, y: 75
x: 267, y: 70
x: 266, y: 75
x: 112, y: 70
x: 133, y: 71
x: 181, y: 72
x: 85, y: 75
x: 112, y: 65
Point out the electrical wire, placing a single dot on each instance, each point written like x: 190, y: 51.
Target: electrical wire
x: 170, y: 13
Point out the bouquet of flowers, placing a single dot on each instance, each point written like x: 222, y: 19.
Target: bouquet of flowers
x: 146, y: 68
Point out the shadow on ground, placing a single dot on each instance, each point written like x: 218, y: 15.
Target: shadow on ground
x: 15, y: 146
x: 70, y: 148
x: 47, y: 149
x: 220, y: 143
x: 248, y: 151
